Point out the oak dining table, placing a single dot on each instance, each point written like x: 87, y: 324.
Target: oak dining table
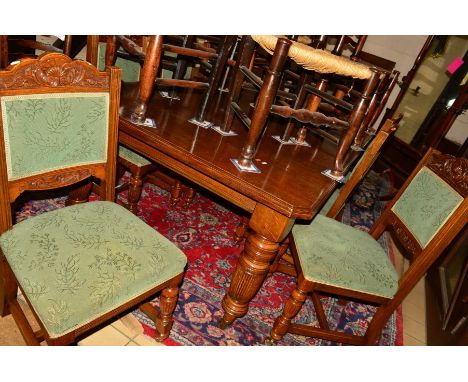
x: 290, y: 185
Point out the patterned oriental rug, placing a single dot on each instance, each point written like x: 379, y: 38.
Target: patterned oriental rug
x: 205, y: 232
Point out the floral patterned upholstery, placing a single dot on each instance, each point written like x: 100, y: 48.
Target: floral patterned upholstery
x: 77, y: 263
x: 133, y: 157
x: 426, y: 205
x: 336, y: 254
x: 56, y: 130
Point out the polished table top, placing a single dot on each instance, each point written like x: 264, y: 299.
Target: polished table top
x: 290, y: 181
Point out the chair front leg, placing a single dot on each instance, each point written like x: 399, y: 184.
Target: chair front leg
x: 189, y: 193
x: 281, y: 251
x: 134, y: 192
x: 176, y: 191
x: 80, y: 195
x: 241, y: 229
x: 167, y: 305
x: 8, y: 286
x: 291, y: 308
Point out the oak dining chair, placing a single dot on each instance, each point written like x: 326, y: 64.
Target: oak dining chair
x: 77, y: 267
x: 334, y: 259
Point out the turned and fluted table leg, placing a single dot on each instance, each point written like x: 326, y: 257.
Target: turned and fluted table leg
x: 268, y: 229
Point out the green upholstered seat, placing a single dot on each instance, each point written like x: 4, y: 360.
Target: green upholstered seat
x: 133, y: 157
x: 336, y: 254
x: 77, y: 263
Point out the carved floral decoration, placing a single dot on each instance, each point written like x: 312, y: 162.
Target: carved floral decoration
x: 453, y: 170
x: 53, y: 70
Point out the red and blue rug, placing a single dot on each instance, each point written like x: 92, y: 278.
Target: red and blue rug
x: 205, y: 232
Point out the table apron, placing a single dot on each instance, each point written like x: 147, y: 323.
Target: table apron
x: 195, y: 176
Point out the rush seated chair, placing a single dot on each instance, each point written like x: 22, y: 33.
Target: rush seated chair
x: 334, y: 259
x: 311, y: 59
x: 80, y: 266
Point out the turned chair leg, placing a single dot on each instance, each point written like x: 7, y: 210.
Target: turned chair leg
x: 176, y: 191
x: 8, y: 287
x: 163, y: 319
x: 147, y: 77
x: 167, y: 306
x: 134, y: 192
x: 241, y: 229
x: 189, y: 193
x: 281, y: 251
x: 79, y: 195
x: 291, y: 308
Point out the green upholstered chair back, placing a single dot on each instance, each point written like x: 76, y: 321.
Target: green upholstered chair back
x: 426, y: 204
x: 434, y: 195
x: 45, y: 132
x: 58, y: 125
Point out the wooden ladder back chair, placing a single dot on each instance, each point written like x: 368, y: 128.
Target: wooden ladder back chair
x: 299, y: 76
x: 352, y: 43
x: 376, y: 106
x: 356, y: 169
x: 335, y: 105
x: 153, y: 60
x: 311, y: 59
x: 428, y: 212
x: 350, y: 92
x: 80, y: 266
x: 102, y: 53
x: 13, y: 48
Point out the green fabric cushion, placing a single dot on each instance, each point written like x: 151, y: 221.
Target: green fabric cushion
x: 130, y: 69
x: 426, y: 205
x: 336, y: 254
x: 55, y: 130
x: 77, y: 263
x: 133, y: 157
